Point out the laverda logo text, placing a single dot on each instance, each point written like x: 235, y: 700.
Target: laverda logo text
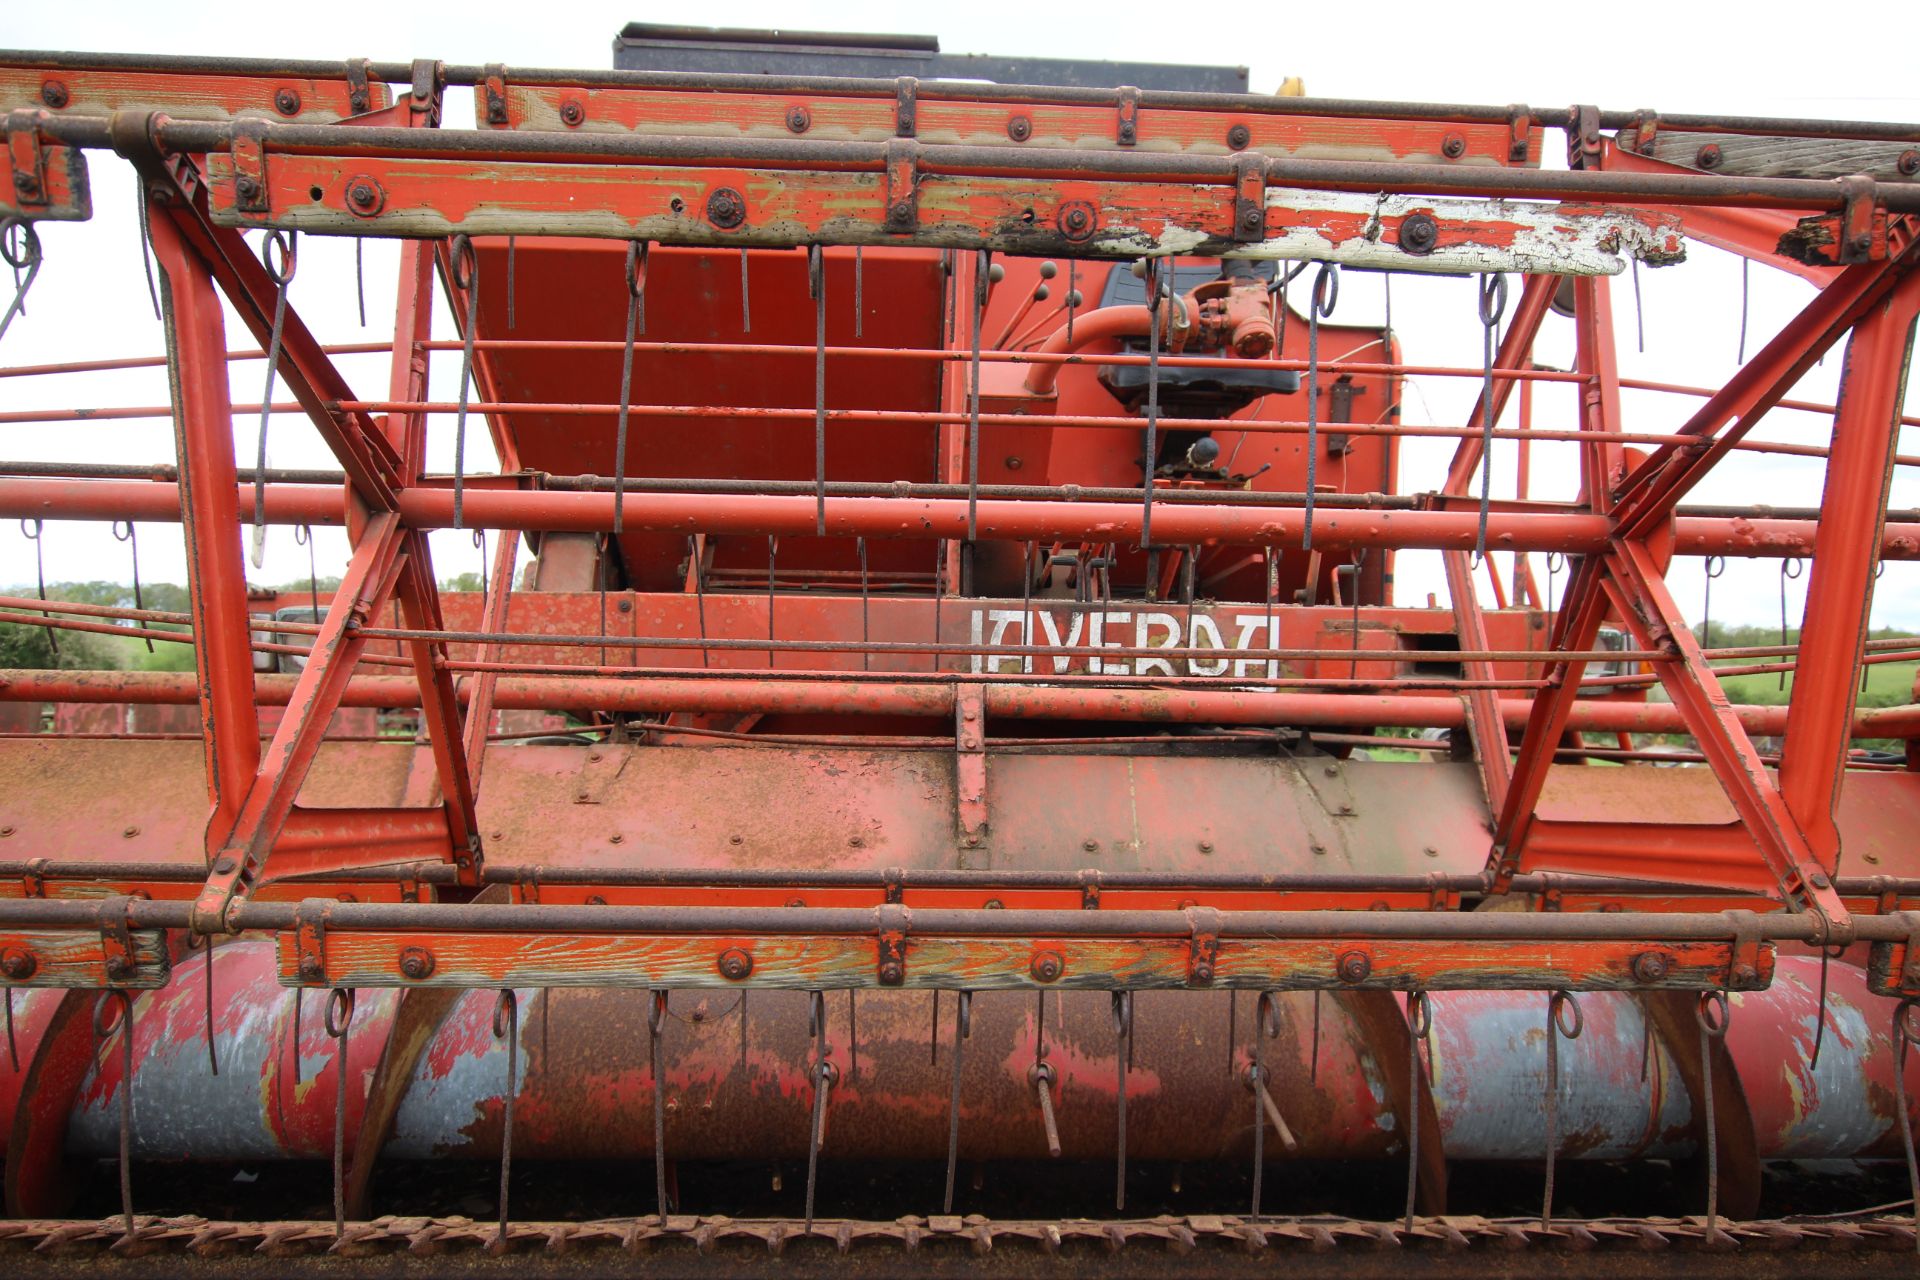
x: 1125, y: 629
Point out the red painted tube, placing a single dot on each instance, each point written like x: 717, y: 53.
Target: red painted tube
x: 876, y: 697
x: 1089, y: 329
x: 923, y: 518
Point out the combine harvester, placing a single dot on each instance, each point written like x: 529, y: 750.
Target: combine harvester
x: 906, y: 787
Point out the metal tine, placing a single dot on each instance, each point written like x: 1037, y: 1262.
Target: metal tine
x: 1158, y: 277
x: 1792, y: 567
x: 656, y: 1034
x: 464, y: 271
x: 506, y: 1026
x: 360, y: 279
x: 859, y: 293
x: 132, y: 538
x: 853, y: 1035
x: 104, y: 1026
x: 1905, y: 1033
x: 1263, y: 1011
x: 1353, y: 587
x: 698, y: 572
x: 746, y: 304
x: 1745, y: 286
x: 1493, y: 305
x: 773, y: 552
x: 743, y: 1036
x: 13, y: 1049
x: 303, y: 537
x: 933, y: 1037
x: 817, y: 290
x: 1313, y: 1054
x: 866, y: 630
x: 287, y: 242
x: 1828, y: 954
x: 33, y: 530
x: 824, y: 1075
x: 1716, y: 565
x: 19, y: 249
x: 294, y: 1040
x: 962, y: 1028
x: 636, y: 276
x: 982, y: 282
x: 1419, y: 1025
x: 146, y: 247
x: 512, y: 248
x: 339, y: 1022
x: 196, y: 941
x: 1073, y: 296
x: 1123, y: 1057
x: 1233, y: 1027
x: 546, y: 1023
x: 1712, y: 1028
x: 1320, y: 305
x: 1560, y: 1006
x: 1639, y: 314
x: 1041, y: 1077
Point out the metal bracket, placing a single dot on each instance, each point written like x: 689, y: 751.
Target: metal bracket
x: 1249, y: 198
x: 1089, y: 890
x: 903, y: 186
x: 423, y: 95
x: 1863, y: 224
x: 1743, y: 966
x: 1646, y: 126
x: 33, y: 884
x: 906, y: 116
x: 1340, y: 409
x: 27, y: 158
x: 310, y: 940
x: 1328, y: 782
x: 250, y: 194
x: 1519, y: 132
x: 359, y: 86
x: 1583, y: 137
x: 1127, y: 129
x: 1893, y: 968
x: 890, y: 935
x: 116, y: 939
x: 970, y: 763
x: 894, y: 881
x: 1203, y: 952
x: 493, y: 86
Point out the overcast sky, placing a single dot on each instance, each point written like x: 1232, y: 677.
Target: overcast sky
x: 91, y: 300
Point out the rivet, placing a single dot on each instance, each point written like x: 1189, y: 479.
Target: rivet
x: 130, y: 832
x: 1206, y: 846
x: 1047, y: 967
x: 416, y: 963
x: 735, y: 964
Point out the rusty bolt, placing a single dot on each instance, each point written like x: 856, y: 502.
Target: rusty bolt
x: 796, y: 902
x: 892, y: 973
x: 572, y: 113
x: 1077, y: 220
x: 1252, y: 217
x: 1019, y: 128
x: 224, y: 865
x: 1201, y: 974
x: 130, y: 832
x: 364, y: 195
x: 247, y: 187
x: 1453, y: 146
x: 119, y: 967
x: 1047, y: 967
x: 616, y: 838
x: 993, y: 904
x: 1909, y: 163
x: 310, y: 968
x: 54, y: 94
x: 1708, y: 157
x: 1649, y: 967
x: 1090, y: 845
x: 1419, y: 234
x: 596, y: 900
x: 1862, y: 243
x: 856, y: 842
x: 735, y: 964
x: 26, y: 182
x: 799, y: 119
x: 286, y: 102
x: 1431, y: 852
x: 726, y: 208
x: 18, y: 964
x: 1745, y: 975
x: 736, y: 838
x: 1239, y: 136
x: 1354, y: 967
x: 416, y: 963
x: 5, y: 832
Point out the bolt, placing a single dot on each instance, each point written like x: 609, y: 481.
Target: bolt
x: 735, y: 964
x: 363, y: 195
x: 17, y: 964
x: 1127, y: 132
x: 1708, y: 157
x: 5, y: 832
x: 1238, y: 137
x: 796, y: 902
x: 1090, y: 845
x: 1047, y: 967
x: 799, y: 119
x: 119, y: 967
x: 1019, y: 128
x: 596, y: 900
x: 1206, y: 846
x: 994, y: 904
x: 130, y: 832
x: 286, y: 102
x: 616, y: 838
x: 1819, y: 880
x: 1332, y: 771
x: 1745, y: 974
x: 1453, y: 146
x: 54, y: 94
x: 1318, y: 848
x: 1202, y: 974
x: 1419, y: 234
x: 726, y: 208
x: 1014, y: 463
x: 224, y: 865
x: 1863, y: 243
x: 1909, y: 163
x: 1354, y: 967
x: 247, y: 188
x: 892, y: 973
x: 1650, y: 966
x: 572, y: 113
x: 593, y: 757
x: 736, y: 838
x: 416, y: 963
x: 1431, y: 852
x: 1252, y: 217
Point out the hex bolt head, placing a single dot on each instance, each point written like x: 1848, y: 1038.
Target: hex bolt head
x: 1239, y: 136
x: 55, y: 94
x: 1649, y: 967
x: 286, y: 102
x: 1202, y: 975
x: 18, y: 964
x: 1909, y: 163
x: 1047, y: 967
x: 726, y: 208
x: 119, y: 967
x: 1355, y: 967
x: 1252, y: 217
x: 1708, y: 157
x: 363, y: 195
x: 1453, y: 146
x: 1419, y: 234
x: 799, y: 119
x: 735, y: 964
x: 416, y: 963
x: 892, y: 973
x: 311, y: 969
x: 572, y: 113
x: 247, y: 187
x: 1020, y: 128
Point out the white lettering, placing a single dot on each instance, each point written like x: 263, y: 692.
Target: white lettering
x: 1101, y: 623
x: 1249, y: 624
x: 1001, y: 620
x: 1143, y: 624
x: 1204, y: 624
x: 1053, y: 638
